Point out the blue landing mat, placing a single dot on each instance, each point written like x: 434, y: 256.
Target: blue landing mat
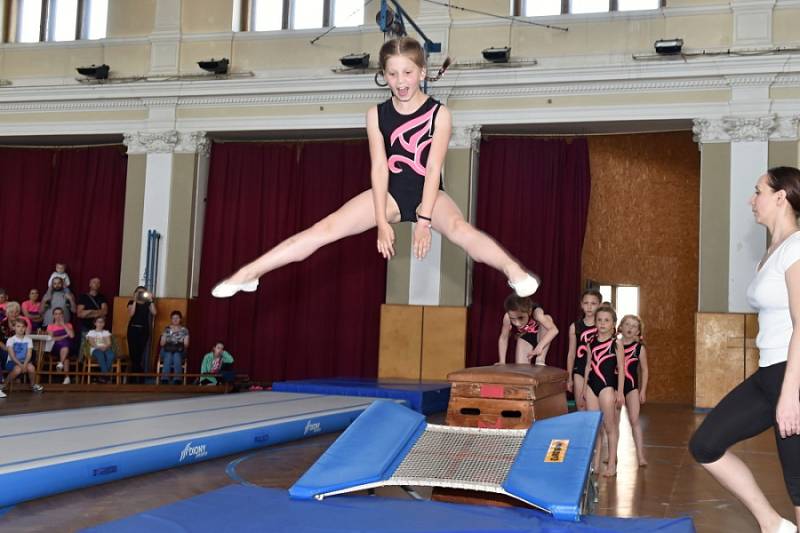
x: 243, y: 509
x: 423, y: 396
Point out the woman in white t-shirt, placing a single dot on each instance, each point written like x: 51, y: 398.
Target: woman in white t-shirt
x: 99, y: 340
x: 770, y: 398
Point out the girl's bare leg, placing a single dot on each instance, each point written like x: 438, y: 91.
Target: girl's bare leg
x: 448, y: 220
x: 355, y: 216
x: 632, y: 403
x: 577, y: 390
x: 523, y: 349
x: 611, y: 425
x: 593, y: 404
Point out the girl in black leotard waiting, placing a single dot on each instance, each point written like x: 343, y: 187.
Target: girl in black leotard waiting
x: 408, y: 138
x: 581, y: 332
x: 603, y: 391
x: 636, y: 375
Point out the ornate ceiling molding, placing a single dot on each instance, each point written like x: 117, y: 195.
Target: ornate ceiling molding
x: 746, y: 129
x: 167, y: 142
x: 193, y: 142
x: 466, y: 136
x: 145, y: 142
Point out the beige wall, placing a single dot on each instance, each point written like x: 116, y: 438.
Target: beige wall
x: 132, y: 18
x: 129, y: 277
x: 179, y: 236
x: 715, y: 198
x: 616, y: 35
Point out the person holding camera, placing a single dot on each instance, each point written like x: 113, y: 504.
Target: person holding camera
x: 174, y: 342
x: 141, y: 311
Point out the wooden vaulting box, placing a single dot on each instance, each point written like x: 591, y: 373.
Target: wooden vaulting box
x: 421, y: 342
x: 506, y: 396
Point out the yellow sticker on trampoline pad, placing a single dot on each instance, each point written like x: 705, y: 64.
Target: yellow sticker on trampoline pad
x: 557, y: 451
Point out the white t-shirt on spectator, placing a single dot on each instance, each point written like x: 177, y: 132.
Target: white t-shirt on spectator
x: 19, y: 347
x: 769, y: 295
x: 102, y: 339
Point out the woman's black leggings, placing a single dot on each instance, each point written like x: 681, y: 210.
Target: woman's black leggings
x: 746, y: 411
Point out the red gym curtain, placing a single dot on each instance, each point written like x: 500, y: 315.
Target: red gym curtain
x: 316, y: 318
x: 61, y: 205
x: 533, y: 197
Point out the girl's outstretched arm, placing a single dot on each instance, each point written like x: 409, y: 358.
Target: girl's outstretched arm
x: 379, y: 177
x: 433, y: 171
x: 644, y: 374
x: 502, y: 341
x: 571, y: 351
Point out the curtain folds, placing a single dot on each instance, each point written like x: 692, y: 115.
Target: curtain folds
x: 316, y: 318
x: 533, y: 197
x: 61, y: 205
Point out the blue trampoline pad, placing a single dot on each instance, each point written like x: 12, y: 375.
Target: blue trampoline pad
x: 242, y: 508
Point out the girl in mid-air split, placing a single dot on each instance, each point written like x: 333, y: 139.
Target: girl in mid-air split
x: 408, y: 138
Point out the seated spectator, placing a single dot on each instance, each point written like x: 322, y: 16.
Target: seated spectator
x: 20, y: 351
x: 13, y: 313
x: 100, y: 344
x: 57, y: 297
x: 91, y: 305
x: 214, y: 363
x: 3, y: 302
x: 174, y: 342
x: 62, y: 334
x: 32, y: 309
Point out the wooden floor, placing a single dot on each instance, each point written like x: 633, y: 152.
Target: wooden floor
x: 672, y: 485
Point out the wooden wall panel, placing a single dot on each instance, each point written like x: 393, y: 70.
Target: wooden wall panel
x: 643, y: 230
x: 444, y: 341
x: 400, y: 341
x: 720, y: 349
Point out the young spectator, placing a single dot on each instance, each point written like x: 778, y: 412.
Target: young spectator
x: 57, y: 297
x: 20, y: 350
x: 99, y: 340
x: 62, y: 334
x: 32, y: 309
x: 60, y: 272
x: 91, y: 305
x: 215, y: 362
x: 174, y: 342
x: 3, y: 302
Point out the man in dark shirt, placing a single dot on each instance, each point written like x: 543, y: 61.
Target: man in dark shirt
x: 91, y: 305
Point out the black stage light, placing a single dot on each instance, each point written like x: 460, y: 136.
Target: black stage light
x: 98, y: 72
x: 668, y: 46
x: 215, y: 66
x: 355, y: 60
x: 497, y: 55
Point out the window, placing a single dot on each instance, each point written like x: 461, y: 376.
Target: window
x: 623, y: 298
x: 270, y: 15
x: 59, y: 20
x: 544, y: 8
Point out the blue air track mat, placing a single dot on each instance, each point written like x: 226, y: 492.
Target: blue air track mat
x: 546, y: 466
x: 56, y: 451
x: 248, y: 509
x: 423, y: 396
